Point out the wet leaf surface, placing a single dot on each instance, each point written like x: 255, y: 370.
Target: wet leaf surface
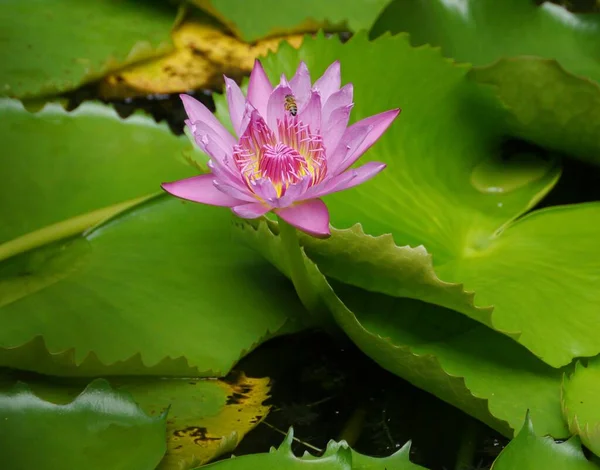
x: 99, y: 428
x: 52, y: 47
x: 203, y: 418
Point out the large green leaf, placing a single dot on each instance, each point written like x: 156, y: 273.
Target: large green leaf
x: 65, y: 164
x: 205, y: 418
x: 529, y: 451
x: 284, y: 459
x: 449, y: 187
x: 50, y: 47
x: 250, y: 22
x: 580, y: 403
x: 457, y: 359
x: 159, y: 288
x: 547, y: 104
x: 101, y: 428
x: 551, y: 103
x: 399, y: 460
x: 162, y: 280
x: 338, y: 456
x: 483, y: 31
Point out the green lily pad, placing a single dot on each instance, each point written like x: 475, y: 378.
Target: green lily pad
x: 547, y: 105
x: 464, y: 363
x: 143, y: 286
x: 483, y: 31
x: 580, y: 403
x: 101, y: 428
x: 65, y: 164
x: 543, y: 60
x: 338, y: 456
x: 451, y: 186
x: 284, y: 459
x: 249, y: 21
x: 205, y: 418
x: 399, y: 460
x: 529, y: 451
x: 50, y: 48
x: 154, y: 282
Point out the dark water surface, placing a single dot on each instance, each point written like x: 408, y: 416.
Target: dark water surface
x: 318, y: 387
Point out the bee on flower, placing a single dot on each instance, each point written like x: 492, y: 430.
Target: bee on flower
x: 292, y: 146
x: 291, y: 105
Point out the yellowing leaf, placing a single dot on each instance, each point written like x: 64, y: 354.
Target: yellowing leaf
x: 203, y: 53
x: 195, y: 436
x: 204, y: 417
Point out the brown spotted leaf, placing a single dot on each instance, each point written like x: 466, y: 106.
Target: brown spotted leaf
x: 205, y: 418
x: 203, y: 53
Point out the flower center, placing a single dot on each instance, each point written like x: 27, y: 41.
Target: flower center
x: 284, y: 158
x: 282, y: 164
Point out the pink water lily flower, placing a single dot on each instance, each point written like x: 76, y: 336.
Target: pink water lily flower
x: 293, y: 146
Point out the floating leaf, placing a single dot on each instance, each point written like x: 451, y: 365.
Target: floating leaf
x: 148, y: 290
x: 460, y: 361
x: 249, y: 20
x: 580, y: 403
x: 204, y: 52
x: 51, y: 47
x: 547, y: 104
x: 162, y: 267
x: 284, y: 459
x: 451, y: 186
x: 209, y: 420
x: 205, y: 418
x: 65, y: 164
x: 399, y: 460
x: 101, y: 428
x: 528, y: 451
x: 548, y: 64
x: 483, y: 31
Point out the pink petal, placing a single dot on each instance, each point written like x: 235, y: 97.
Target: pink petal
x: 236, y: 103
x: 251, y: 211
x: 294, y: 192
x: 200, y: 189
x: 311, y: 114
x: 197, y: 112
x: 346, y: 146
x: 225, y: 174
x: 264, y: 189
x: 376, y: 126
x: 234, y: 191
x: 329, y: 82
x: 248, y: 111
x: 300, y: 84
x: 283, y: 81
x: 221, y: 163
x: 276, y: 107
x: 349, y: 179
x: 311, y: 217
x: 203, y: 134
x: 338, y: 122
x: 259, y: 88
x: 337, y: 100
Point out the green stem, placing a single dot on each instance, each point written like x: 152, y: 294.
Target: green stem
x: 468, y: 445
x: 295, y: 262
